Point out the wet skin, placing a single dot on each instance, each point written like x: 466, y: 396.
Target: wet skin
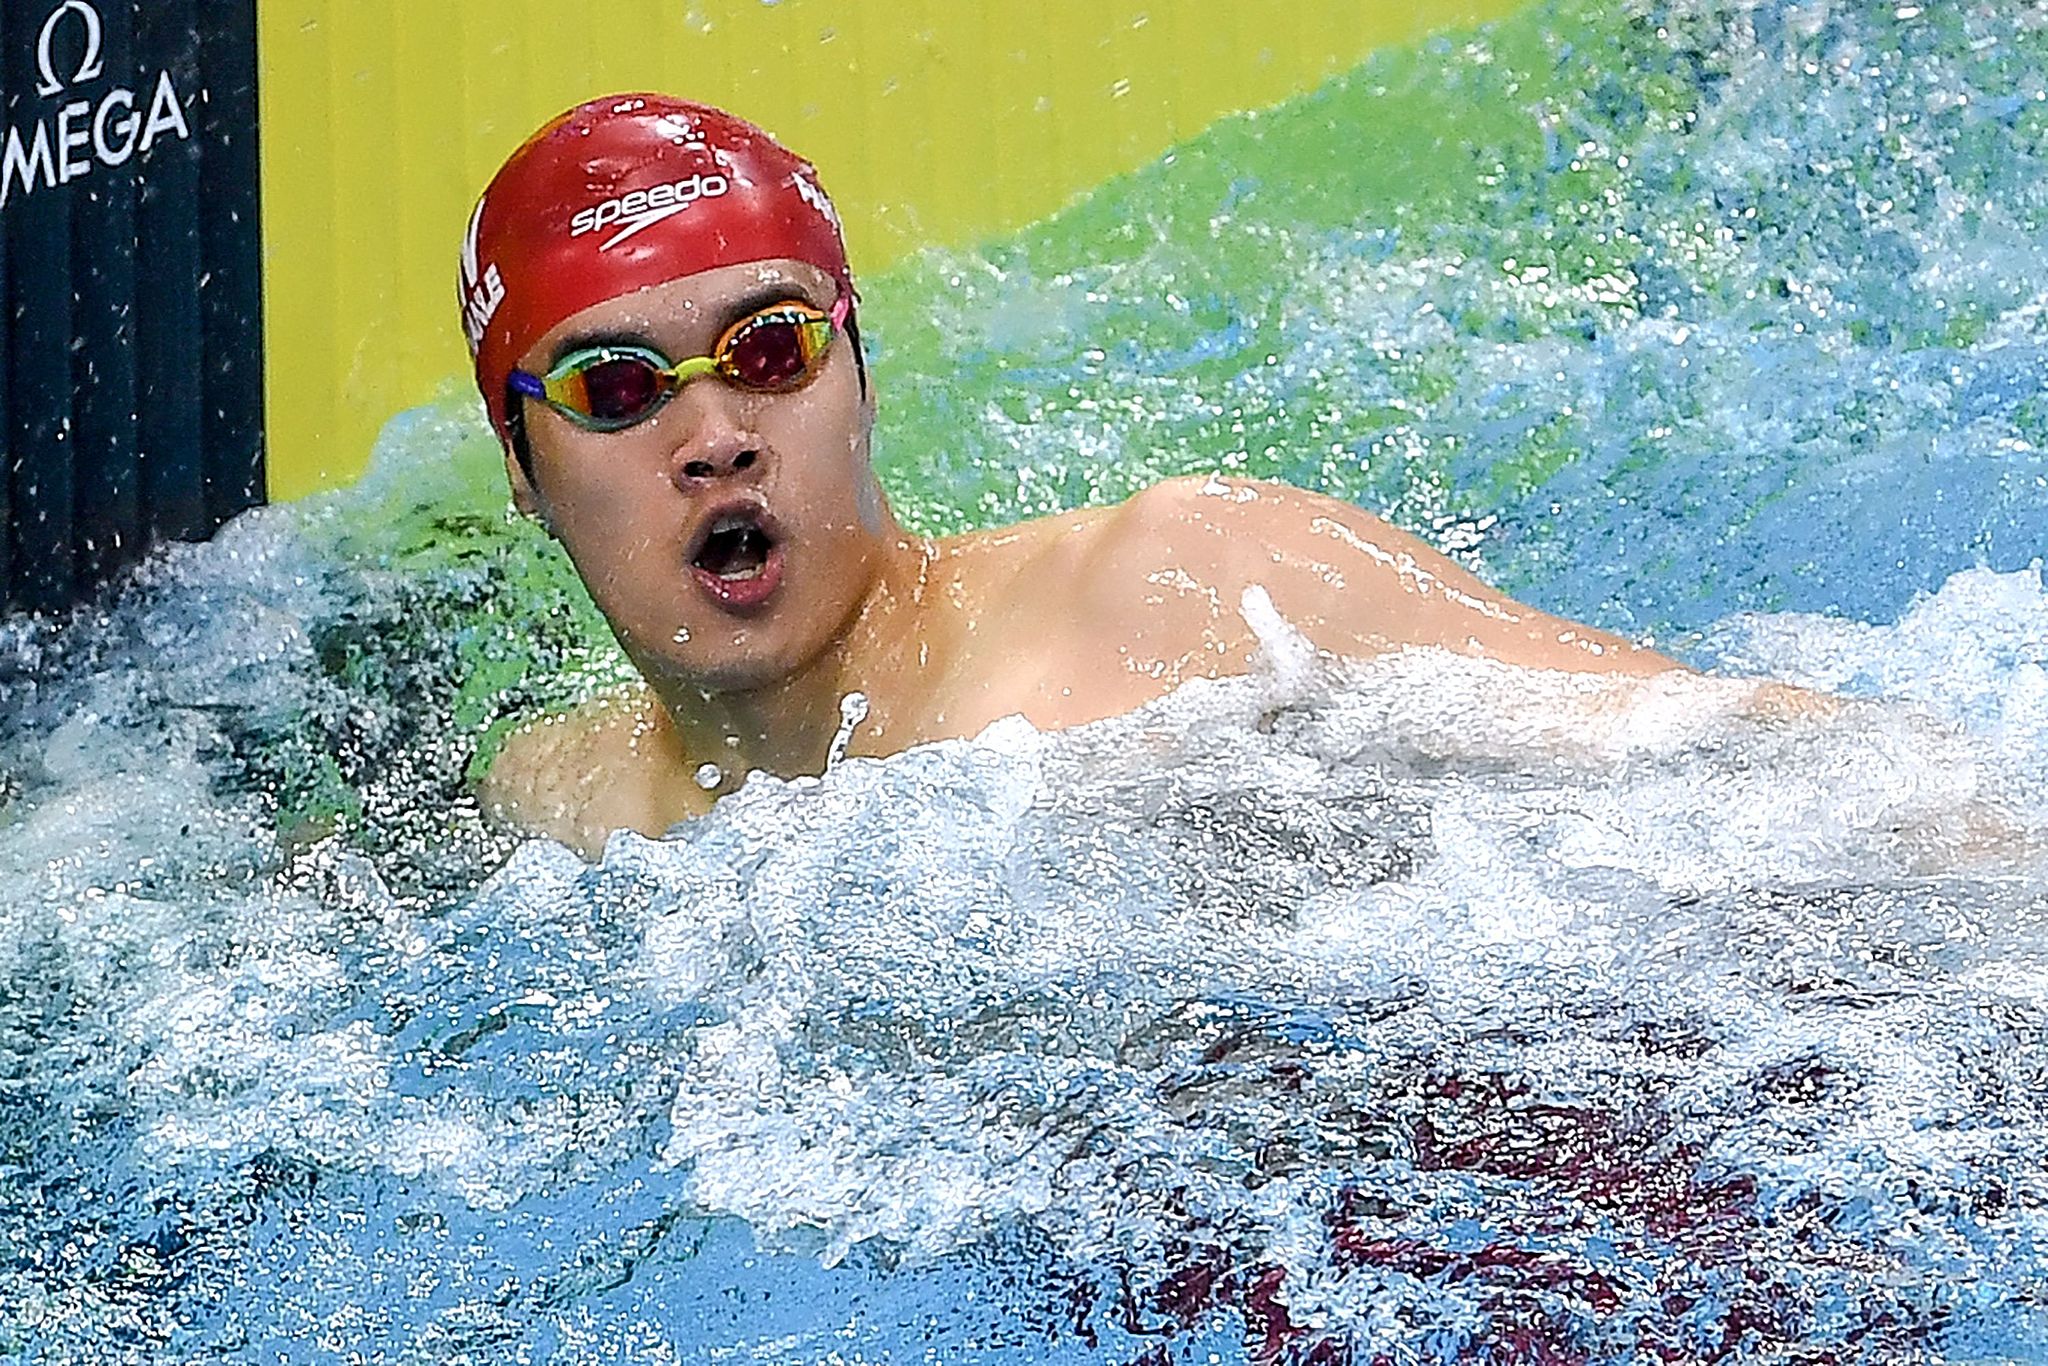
x: 1064, y: 619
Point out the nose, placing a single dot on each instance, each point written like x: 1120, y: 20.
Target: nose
x: 708, y: 466
x: 712, y: 443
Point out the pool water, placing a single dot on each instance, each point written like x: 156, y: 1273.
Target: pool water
x: 1414, y: 1010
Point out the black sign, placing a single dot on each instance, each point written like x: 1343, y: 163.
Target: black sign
x: 131, y: 349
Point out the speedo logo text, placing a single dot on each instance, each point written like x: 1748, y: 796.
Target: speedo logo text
x: 644, y: 208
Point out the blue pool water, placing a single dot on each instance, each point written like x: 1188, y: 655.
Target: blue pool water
x: 1414, y: 1010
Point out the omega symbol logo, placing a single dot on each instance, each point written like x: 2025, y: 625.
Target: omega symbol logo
x: 69, y: 141
x: 88, y: 67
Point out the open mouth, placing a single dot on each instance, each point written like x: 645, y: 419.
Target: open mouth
x: 738, y: 558
x: 736, y: 548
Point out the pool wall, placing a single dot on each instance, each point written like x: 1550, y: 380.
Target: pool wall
x: 931, y: 123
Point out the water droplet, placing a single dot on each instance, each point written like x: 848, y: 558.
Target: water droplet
x: 853, y: 709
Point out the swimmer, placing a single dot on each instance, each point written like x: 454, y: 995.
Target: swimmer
x: 665, y: 331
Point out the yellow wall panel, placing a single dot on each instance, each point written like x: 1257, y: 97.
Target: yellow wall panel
x: 931, y: 121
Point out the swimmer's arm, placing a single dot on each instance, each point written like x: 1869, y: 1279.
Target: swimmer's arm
x: 1358, y: 587
x: 578, y: 776
x: 538, y: 785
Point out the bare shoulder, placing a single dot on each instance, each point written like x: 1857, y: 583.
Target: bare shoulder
x: 1186, y: 500
x: 1259, y: 520
x: 610, y: 764
x: 1354, y: 583
x: 1216, y: 504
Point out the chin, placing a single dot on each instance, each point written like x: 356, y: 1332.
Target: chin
x: 735, y: 675
x: 729, y: 653
x: 728, y: 670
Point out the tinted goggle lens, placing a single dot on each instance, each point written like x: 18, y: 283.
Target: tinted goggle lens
x: 610, y: 387
x: 619, y: 388
x: 774, y: 351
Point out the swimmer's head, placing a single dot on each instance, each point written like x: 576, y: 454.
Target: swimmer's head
x: 618, y: 195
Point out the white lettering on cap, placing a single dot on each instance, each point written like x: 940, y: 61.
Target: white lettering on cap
x: 816, y: 198
x: 483, y: 290
x: 637, y: 209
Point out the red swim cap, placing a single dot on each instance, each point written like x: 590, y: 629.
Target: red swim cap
x: 620, y: 194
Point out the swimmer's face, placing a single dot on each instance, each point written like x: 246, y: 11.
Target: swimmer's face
x: 732, y: 535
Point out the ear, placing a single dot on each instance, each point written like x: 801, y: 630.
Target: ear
x: 525, y: 496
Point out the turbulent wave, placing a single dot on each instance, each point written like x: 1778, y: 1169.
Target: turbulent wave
x: 1421, y: 1000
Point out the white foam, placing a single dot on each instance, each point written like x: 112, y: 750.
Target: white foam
x: 920, y: 1021
x: 1183, y: 968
